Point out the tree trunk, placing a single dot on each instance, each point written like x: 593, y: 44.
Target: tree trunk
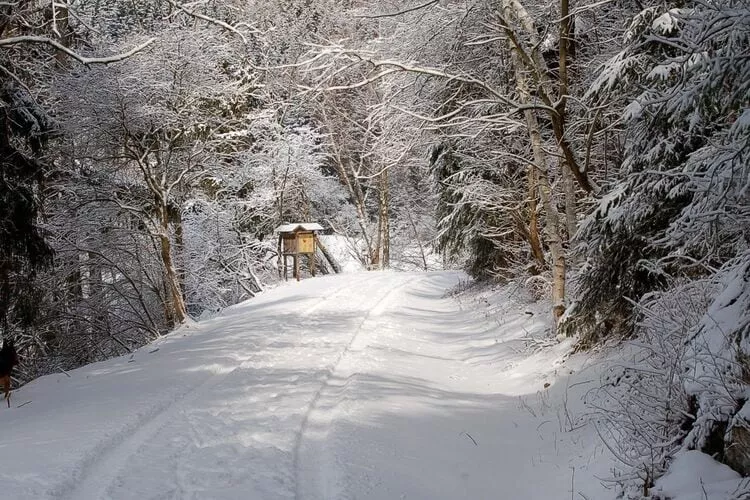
x: 334, y: 265
x: 175, y: 217
x: 529, y: 57
x: 416, y: 237
x: 534, y: 241
x: 384, y: 244
x: 552, y: 217
x: 348, y: 177
x: 554, y: 240
x: 60, y: 16
x: 567, y: 47
x: 279, y: 186
x: 571, y: 223
x: 171, y: 278
x: 280, y: 258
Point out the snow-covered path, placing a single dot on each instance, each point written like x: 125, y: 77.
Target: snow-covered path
x: 356, y: 386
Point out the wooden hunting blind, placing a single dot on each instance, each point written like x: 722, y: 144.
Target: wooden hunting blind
x: 298, y: 239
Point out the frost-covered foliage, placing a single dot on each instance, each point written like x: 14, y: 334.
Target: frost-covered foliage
x: 477, y: 211
x: 223, y: 264
x: 685, y: 386
x: 480, y: 191
x: 158, y: 126
x: 157, y: 186
x: 25, y: 130
x: 413, y: 226
x: 285, y: 177
x: 642, y: 409
x: 682, y: 207
x: 229, y: 242
x: 670, y: 243
x: 189, y: 89
x: 717, y: 372
x: 104, y: 294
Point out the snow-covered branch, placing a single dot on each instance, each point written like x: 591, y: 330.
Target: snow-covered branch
x: 72, y: 53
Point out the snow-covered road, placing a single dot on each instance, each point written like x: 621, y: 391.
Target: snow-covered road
x: 361, y: 386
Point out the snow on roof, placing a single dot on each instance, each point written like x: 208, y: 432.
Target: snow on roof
x: 294, y: 226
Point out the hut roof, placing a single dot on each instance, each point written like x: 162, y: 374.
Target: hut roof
x: 297, y: 226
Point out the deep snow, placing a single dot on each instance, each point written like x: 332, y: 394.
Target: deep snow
x: 366, y: 386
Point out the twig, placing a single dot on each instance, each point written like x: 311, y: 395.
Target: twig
x: 204, y: 17
x: 573, y: 484
x: 401, y: 12
x: 472, y: 439
x: 18, y: 80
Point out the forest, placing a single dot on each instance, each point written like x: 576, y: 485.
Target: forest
x: 595, y: 151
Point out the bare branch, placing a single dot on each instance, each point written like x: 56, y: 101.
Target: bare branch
x: 384, y: 68
x: 209, y: 19
x: 15, y: 40
x: 401, y: 12
x: 14, y: 77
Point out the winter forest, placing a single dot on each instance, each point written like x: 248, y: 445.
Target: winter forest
x: 595, y: 152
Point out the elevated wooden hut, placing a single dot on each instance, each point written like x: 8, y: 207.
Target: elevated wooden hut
x: 295, y: 239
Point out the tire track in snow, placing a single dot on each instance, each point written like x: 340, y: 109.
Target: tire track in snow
x: 103, y: 467
x: 332, y: 371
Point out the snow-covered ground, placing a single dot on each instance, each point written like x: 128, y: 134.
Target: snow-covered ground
x: 363, y: 386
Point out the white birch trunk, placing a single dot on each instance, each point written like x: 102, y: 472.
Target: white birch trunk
x: 552, y: 216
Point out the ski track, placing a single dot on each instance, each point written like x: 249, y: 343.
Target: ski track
x: 100, y: 475
x: 101, y: 469
x: 327, y: 415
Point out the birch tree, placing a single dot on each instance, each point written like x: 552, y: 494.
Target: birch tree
x: 480, y: 103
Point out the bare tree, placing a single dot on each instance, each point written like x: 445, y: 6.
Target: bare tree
x: 159, y: 118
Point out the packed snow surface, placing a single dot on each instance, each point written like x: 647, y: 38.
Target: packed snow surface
x: 359, y: 386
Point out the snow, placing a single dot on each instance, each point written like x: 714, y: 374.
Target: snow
x: 632, y: 111
x: 364, y: 385
x: 345, y: 252
x: 667, y: 22
x: 696, y: 476
x: 299, y: 226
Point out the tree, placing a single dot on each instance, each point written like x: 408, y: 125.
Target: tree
x: 677, y: 224
x: 350, y: 136
x: 104, y: 294
x: 473, y: 100
x: 225, y: 261
x: 36, y: 39
x: 158, y: 120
